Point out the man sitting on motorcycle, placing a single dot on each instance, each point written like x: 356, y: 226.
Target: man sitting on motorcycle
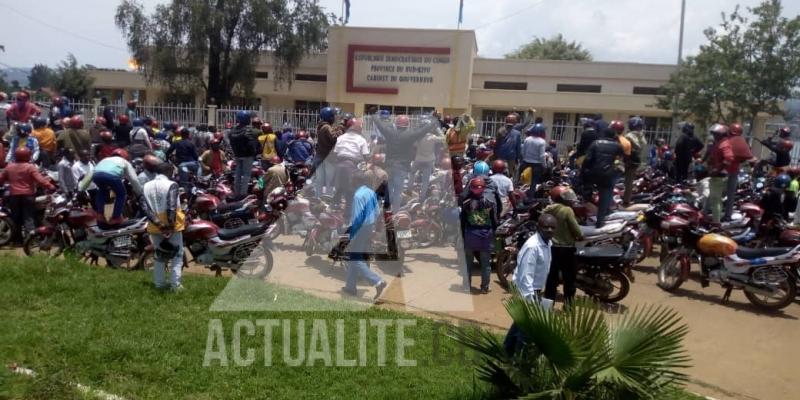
x: 166, y: 223
x: 772, y: 202
x: 108, y: 175
x: 563, y: 249
x: 23, y: 177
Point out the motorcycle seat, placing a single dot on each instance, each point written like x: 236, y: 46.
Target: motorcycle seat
x: 226, y: 207
x: 244, y: 230
x: 748, y: 253
x: 608, y: 228
x: 637, y: 207
x: 124, y: 224
x: 599, y: 255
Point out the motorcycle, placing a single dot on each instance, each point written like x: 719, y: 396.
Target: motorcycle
x: 324, y: 235
x: 73, y: 228
x: 767, y: 276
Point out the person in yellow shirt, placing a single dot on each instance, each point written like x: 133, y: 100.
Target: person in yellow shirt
x: 47, y: 141
x: 267, y: 141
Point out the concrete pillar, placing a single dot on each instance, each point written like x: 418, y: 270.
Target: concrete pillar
x: 212, y: 114
x: 96, y: 108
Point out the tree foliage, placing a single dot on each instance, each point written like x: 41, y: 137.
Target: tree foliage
x: 40, y: 76
x: 747, y: 66
x: 555, y: 48
x: 213, y: 46
x: 72, y: 80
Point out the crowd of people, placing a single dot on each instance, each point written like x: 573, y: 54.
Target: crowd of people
x: 361, y: 163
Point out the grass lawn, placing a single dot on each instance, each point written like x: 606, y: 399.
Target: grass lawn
x: 111, y: 330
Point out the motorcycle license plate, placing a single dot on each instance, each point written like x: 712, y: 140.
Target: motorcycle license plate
x: 404, y: 234
x: 122, y: 241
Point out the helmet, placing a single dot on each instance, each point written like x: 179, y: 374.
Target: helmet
x: 718, y: 130
x: 617, y: 126
x: 76, y: 122
x: 636, y: 123
x: 153, y: 122
x: 402, y: 121
x: 150, y: 162
x: 537, y: 129
x: 302, y: 135
x: 3, y: 96
x: 587, y: 123
x: 511, y: 119
x: 477, y: 186
x: 23, y: 95
x: 58, y: 101
x: 447, y: 119
x: 256, y: 122
x: 784, y: 132
x: 24, y: 128
x: 275, y: 160
x: 215, y: 142
x: 384, y: 113
x: 243, y: 117
x: 498, y: 166
x: 39, y: 122
x: 355, y: 125
x: 136, y: 122
x: 700, y: 171
x: 553, y: 143
x: 327, y: 114
x: 480, y: 169
x: 100, y: 121
x: 147, y: 120
x: 457, y: 162
x: 736, y: 129
x: 378, y: 159
x: 794, y: 172
x: 266, y: 127
x: 124, y: 120
x: 563, y: 194
x: 120, y: 153
x: 106, y: 136
x: 22, y: 154
x: 183, y: 131
x: 787, y: 145
x: 781, y: 181
x: 688, y: 128
x: 65, y: 122
x: 347, y: 117
x: 131, y: 103
x: 668, y: 155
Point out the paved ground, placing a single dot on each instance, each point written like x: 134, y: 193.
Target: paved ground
x: 737, y: 351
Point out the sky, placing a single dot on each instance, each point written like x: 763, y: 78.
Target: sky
x: 644, y: 31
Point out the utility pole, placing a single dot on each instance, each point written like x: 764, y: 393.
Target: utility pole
x: 680, y: 59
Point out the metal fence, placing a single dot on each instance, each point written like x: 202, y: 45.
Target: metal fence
x: 296, y: 119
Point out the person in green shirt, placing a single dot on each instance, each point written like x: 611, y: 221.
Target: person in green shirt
x: 790, y: 198
x: 563, y: 249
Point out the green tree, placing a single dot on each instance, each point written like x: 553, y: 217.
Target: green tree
x: 213, y: 46
x: 555, y: 48
x: 41, y: 76
x: 72, y: 80
x: 747, y: 67
x: 15, y: 86
x: 576, y: 354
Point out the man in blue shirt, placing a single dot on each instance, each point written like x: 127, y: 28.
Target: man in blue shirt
x: 530, y: 277
x: 362, y: 227
x: 185, y: 158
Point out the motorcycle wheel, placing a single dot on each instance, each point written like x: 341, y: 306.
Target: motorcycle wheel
x: 39, y: 245
x: 618, y: 280
x: 505, y: 265
x: 257, y: 266
x: 669, y: 273
x: 6, y: 230
x: 787, y: 289
x: 428, y: 237
x: 307, y: 245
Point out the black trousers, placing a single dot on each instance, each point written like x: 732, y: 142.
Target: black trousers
x: 682, y: 170
x: 22, y: 213
x: 563, y: 262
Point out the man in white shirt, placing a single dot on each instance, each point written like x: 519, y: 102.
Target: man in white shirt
x: 530, y: 277
x: 533, y: 154
x: 351, y: 149
x: 424, y: 159
x: 66, y: 179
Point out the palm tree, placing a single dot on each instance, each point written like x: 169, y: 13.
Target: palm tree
x: 577, y: 354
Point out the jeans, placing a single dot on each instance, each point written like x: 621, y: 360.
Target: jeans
x: 425, y: 168
x: 682, y: 170
x: 514, y: 340
x: 106, y: 182
x: 730, y: 192
x: 184, y: 169
x: 22, y: 213
x: 716, y: 187
x: 176, y: 263
x: 241, y: 176
x: 324, y: 174
x: 563, y: 262
x: 357, y: 265
x: 398, y: 171
x: 630, y: 175
x: 486, y: 268
x: 605, y: 189
x: 345, y: 170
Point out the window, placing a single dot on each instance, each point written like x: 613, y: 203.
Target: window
x: 397, y: 110
x: 262, y: 75
x: 311, y: 77
x: 560, y: 125
x: 647, y: 90
x: 491, y: 121
x: 309, y: 106
x: 505, y: 85
x: 561, y: 87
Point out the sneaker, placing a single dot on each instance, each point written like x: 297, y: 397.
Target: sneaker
x: 349, y: 292
x: 178, y: 289
x: 116, y: 221
x: 486, y: 290
x: 379, y: 289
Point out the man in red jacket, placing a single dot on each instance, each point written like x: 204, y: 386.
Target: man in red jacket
x: 720, y: 160
x: 23, y: 177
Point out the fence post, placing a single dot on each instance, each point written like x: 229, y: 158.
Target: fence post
x: 96, y: 107
x: 212, y: 114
